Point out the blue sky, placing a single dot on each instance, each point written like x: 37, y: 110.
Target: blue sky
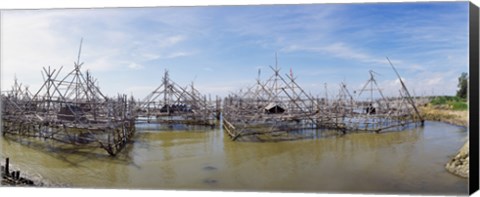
x: 221, y: 48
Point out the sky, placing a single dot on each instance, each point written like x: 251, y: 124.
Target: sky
x: 222, y: 48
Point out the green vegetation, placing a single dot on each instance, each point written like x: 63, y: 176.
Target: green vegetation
x: 462, y: 85
x: 450, y: 102
x: 459, y: 106
x: 458, y: 102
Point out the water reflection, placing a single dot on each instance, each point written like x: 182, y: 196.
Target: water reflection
x: 206, y: 159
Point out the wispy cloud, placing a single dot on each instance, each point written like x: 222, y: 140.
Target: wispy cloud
x: 427, y: 43
x: 134, y: 65
x: 339, y: 50
x: 32, y: 39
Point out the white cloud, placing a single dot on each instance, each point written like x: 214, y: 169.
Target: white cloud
x: 224, y: 88
x: 100, y: 64
x: 425, y: 83
x: 139, y: 92
x: 434, y: 80
x: 341, y: 50
x: 135, y: 66
x: 344, y: 51
x: 208, y: 69
x: 29, y: 43
x: 177, y: 54
x: 32, y: 39
x: 170, y: 41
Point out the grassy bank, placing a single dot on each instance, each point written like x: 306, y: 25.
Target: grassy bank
x: 449, y: 102
x: 449, y: 109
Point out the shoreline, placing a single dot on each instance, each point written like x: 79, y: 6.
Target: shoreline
x: 459, y: 164
x: 17, y: 177
x: 12, y: 177
x: 459, y: 118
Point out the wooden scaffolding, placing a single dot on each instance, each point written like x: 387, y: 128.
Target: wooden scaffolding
x: 279, y: 109
x: 171, y: 103
x: 69, y: 110
x: 370, y: 110
x: 273, y: 109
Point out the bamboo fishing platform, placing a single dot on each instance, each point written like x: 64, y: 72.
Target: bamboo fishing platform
x: 70, y: 110
x: 276, y: 106
x: 171, y: 103
x: 279, y: 109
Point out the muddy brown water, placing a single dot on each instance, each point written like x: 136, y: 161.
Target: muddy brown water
x: 407, y: 162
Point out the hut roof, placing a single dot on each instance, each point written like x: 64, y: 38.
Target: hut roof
x: 274, y: 108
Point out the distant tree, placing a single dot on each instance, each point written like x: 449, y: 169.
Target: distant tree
x: 462, y: 85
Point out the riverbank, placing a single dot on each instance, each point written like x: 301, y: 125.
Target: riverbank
x: 13, y: 177
x: 456, y: 117
x: 459, y: 165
